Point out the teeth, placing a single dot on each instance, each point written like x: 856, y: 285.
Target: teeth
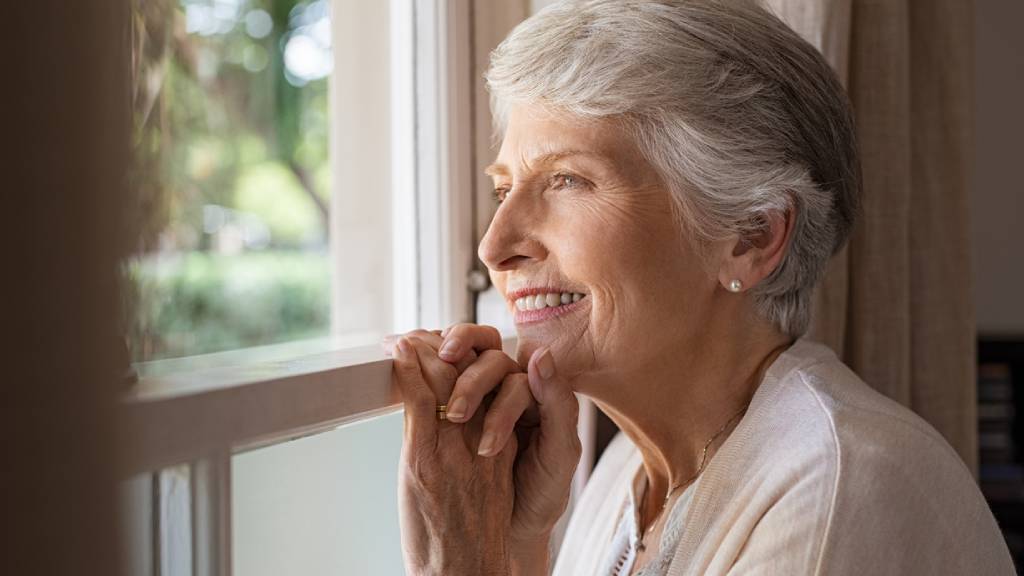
x: 549, y: 300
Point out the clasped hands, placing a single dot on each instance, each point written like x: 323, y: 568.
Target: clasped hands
x: 480, y: 492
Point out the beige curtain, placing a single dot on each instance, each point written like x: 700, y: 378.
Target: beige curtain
x: 896, y: 303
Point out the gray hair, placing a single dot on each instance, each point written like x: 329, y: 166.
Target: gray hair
x: 737, y: 114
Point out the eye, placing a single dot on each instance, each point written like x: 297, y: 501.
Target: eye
x: 563, y: 180
x: 500, y: 193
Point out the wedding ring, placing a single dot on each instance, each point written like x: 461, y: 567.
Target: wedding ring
x: 442, y: 411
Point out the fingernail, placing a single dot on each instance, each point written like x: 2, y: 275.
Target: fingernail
x: 387, y: 344
x: 486, y: 444
x: 546, y: 365
x: 402, y: 346
x: 457, y: 409
x: 450, y: 347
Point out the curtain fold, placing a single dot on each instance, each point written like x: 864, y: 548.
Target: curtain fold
x: 896, y: 302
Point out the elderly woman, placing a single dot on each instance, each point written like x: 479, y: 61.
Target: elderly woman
x: 672, y: 180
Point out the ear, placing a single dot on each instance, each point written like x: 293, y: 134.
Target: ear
x: 753, y: 257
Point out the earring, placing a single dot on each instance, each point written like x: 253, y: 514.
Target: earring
x: 735, y: 286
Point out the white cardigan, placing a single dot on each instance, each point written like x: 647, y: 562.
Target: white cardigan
x: 823, y: 475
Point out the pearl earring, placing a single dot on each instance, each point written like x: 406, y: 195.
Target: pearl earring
x: 735, y: 286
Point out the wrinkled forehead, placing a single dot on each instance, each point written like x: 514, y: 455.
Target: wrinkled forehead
x: 535, y: 135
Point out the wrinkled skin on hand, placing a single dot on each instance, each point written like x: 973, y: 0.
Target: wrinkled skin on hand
x: 468, y: 508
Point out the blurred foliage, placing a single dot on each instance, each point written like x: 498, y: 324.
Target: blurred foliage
x: 230, y: 160
x: 195, y: 303
x: 214, y: 103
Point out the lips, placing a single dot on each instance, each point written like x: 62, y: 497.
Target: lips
x: 542, y: 303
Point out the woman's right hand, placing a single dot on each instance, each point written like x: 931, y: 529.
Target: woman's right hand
x: 540, y: 407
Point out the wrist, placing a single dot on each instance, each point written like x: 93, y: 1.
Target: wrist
x: 530, y: 557
x: 492, y: 559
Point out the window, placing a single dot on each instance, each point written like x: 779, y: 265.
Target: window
x: 308, y: 167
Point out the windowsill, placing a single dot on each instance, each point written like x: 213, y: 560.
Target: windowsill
x: 187, y: 415
x: 193, y: 374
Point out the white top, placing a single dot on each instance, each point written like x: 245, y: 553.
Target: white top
x: 822, y: 475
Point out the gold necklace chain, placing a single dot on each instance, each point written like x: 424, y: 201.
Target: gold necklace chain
x: 700, y: 468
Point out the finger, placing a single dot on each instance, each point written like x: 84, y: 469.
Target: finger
x: 432, y: 338
x: 558, y: 408
x: 420, y: 402
x: 513, y: 400
x: 387, y: 343
x: 439, y: 375
x: 462, y: 338
x: 477, y: 381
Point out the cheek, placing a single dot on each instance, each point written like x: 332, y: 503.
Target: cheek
x: 643, y: 275
x: 625, y: 250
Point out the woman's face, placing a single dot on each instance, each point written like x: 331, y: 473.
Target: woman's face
x: 582, y: 213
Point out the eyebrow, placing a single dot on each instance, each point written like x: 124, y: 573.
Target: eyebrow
x: 497, y: 169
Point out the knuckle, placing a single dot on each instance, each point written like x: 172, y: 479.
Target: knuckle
x: 458, y: 329
x: 425, y: 336
x: 416, y: 340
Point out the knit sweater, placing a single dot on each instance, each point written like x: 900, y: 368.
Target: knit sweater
x: 823, y: 475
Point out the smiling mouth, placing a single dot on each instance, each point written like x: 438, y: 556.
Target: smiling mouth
x: 547, y: 300
x: 543, y: 305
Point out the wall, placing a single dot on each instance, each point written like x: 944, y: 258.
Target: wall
x: 65, y: 155
x: 997, y: 200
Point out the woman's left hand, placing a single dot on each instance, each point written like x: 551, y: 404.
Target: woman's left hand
x: 455, y: 506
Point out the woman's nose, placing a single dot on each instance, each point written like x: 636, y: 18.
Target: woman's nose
x: 510, y: 241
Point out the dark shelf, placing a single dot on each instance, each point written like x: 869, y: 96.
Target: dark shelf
x: 1001, y: 435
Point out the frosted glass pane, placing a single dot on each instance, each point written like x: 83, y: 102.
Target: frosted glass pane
x: 320, y: 505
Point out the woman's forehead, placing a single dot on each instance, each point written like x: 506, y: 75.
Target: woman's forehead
x: 536, y: 136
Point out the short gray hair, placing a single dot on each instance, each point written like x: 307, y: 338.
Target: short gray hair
x: 736, y: 112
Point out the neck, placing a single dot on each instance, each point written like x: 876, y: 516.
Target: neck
x: 670, y: 408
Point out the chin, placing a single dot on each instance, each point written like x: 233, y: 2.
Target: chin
x: 572, y: 357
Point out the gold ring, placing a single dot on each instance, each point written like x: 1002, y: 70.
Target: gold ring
x: 442, y: 411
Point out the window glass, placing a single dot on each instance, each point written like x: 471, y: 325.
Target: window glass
x: 324, y: 504
x: 230, y: 106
